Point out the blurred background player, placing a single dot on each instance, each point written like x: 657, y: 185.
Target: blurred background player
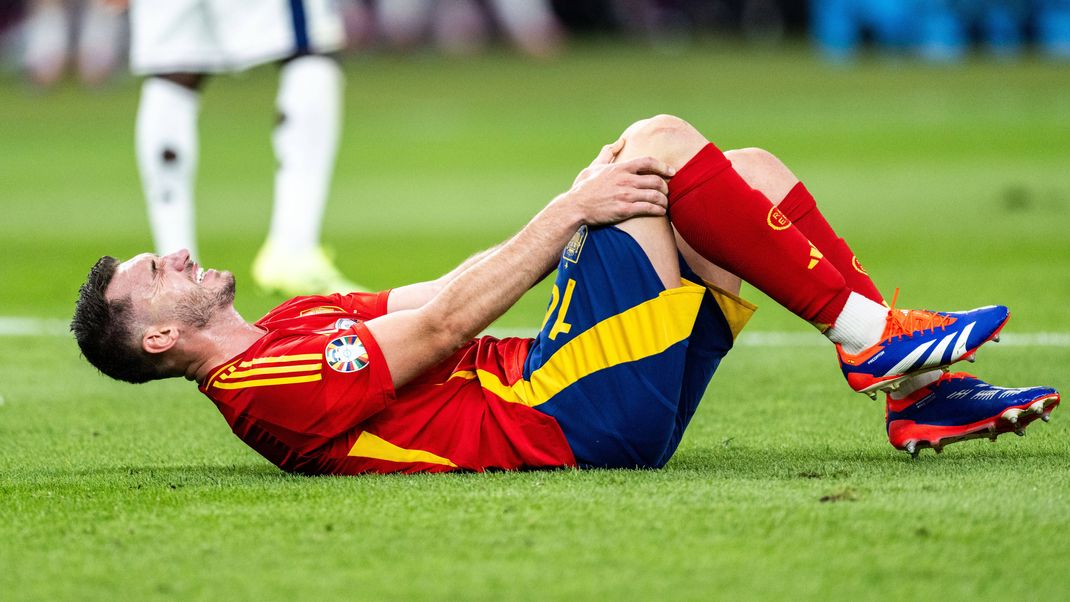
x: 463, y: 26
x: 53, y: 27
x: 176, y: 45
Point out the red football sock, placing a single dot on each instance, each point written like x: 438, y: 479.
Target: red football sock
x: 799, y: 207
x: 738, y: 228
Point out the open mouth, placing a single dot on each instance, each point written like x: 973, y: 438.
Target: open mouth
x: 199, y: 275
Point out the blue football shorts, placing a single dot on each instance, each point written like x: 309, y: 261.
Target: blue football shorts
x: 621, y: 362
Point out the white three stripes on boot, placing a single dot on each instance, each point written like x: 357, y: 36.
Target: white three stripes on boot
x: 936, y: 357
x: 907, y: 362
x: 938, y: 354
x: 960, y: 344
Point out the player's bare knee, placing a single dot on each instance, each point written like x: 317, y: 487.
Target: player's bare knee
x: 763, y: 171
x: 657, y: 125
x: 754, y: 160
x: 663, y: 137
x: 659, y: 130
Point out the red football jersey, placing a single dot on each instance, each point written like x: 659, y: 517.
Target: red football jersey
x: 314, y: 395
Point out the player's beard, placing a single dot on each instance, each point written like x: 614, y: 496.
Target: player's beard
x: 198, y: 307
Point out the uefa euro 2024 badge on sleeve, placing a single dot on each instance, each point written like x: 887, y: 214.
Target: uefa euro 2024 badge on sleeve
x: 346, y: 354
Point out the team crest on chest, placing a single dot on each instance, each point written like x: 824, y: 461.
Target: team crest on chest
x: 323, y: 309
x: 346, y: 354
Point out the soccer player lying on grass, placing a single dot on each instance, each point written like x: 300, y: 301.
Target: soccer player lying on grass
x: 394, y: 381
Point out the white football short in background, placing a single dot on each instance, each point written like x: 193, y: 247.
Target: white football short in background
x: 212, y: 36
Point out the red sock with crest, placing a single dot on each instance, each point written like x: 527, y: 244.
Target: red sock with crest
x: 799, y: 207
x: 739, y: 229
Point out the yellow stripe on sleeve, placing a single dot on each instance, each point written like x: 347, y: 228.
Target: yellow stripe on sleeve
x: 303, y: 357
x: 270, y: 370
x: 267, y: 382
x: 229, y: 366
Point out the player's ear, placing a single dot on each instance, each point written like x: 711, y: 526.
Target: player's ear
x: 160, y: 338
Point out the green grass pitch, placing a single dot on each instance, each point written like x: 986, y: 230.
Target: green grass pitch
x: 952, y: 184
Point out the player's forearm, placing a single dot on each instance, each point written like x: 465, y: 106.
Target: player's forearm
x: 467, y: 263
x: 414, y: 339
x: 608, y: 194
x: 480, y: 294
x: 414, y: 296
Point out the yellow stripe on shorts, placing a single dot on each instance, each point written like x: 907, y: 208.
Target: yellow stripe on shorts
x: 642, y: 331
x: 737, y: 310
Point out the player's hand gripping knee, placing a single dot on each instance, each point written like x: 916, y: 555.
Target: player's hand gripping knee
x: 609, y: 193
x: 606, y: 155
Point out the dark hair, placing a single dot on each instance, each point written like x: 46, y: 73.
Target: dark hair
x: 102, y: 329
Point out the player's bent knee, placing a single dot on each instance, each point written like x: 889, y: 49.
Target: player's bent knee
x: 662, y: 123
x: 754, y: 158
x: 658, y: 127
x: 665, y: 137
x: 763, y: 171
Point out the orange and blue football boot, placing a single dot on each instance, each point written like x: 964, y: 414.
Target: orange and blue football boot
x: 917, y: 341
x: 960, y: 406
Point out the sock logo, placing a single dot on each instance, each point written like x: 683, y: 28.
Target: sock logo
x: 857, y: 265
x: 815, y: 256
x: 777, y: 220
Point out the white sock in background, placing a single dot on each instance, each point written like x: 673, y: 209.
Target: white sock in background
x: 306, y: 142
x: 859, y: 325
x: 167, y: 158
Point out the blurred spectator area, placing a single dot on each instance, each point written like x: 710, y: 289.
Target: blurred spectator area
x: 754, y: 19
x: 938, y: 30
x: 941, y: 30
x: 47, y: 38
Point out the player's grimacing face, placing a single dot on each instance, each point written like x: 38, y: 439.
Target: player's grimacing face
x: 168, y: 286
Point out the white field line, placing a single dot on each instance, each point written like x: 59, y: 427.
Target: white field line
x: 14, y: 326
x: 776, y: 338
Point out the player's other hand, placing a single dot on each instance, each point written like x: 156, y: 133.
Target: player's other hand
x: 609, y: 193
